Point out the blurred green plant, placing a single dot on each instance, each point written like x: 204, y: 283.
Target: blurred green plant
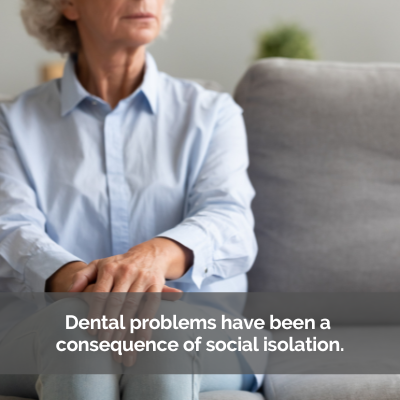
x: 288, y: 41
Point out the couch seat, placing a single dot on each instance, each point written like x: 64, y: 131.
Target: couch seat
x: 374, y: 351
x: 332, y: 387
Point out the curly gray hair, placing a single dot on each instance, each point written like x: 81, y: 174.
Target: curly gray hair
x: 43, y: 19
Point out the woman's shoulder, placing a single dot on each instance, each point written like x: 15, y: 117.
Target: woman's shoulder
x: 42, y: 96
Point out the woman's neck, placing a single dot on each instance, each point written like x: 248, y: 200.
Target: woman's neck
x: 111, y: 76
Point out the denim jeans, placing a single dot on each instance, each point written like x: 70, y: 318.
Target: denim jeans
x: 115, y: 387
x: 98, y: 387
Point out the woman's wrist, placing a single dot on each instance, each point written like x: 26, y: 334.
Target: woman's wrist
x: 176, y: 257
x: 62, y: 279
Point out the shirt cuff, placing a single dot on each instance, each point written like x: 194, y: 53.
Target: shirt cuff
x: 42, y: 265
x: 196, y: 239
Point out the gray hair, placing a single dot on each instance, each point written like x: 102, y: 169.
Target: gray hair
x: 44, y: 20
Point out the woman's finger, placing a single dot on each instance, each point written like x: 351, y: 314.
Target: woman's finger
x: 124, y: 278
x: 115, y: 304
x: 101, y: 290
x: 129, y: 357
x: 132, y: 301
x: 112, y: 310
x: 107, y: 271
x: 129, y: 310
x: 171, y: 294
x: 114, y: 307
x: 83, y: 278
x: 167, y: 289
x: 150, y: 305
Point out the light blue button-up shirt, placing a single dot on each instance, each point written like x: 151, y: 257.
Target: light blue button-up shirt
x: 80, y: 181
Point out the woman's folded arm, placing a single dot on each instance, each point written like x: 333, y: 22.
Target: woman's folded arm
x: 218, y: 226
x: 26, y: 251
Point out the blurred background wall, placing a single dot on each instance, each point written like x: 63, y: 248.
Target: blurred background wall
x: 216, y: 39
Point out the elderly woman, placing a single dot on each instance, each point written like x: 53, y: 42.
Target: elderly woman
x: 119, y: 178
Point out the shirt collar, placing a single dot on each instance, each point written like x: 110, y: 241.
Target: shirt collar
x: 73, y: 93
x: 149, y: 86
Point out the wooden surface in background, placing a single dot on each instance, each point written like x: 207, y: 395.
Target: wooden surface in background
x: 52, y: 70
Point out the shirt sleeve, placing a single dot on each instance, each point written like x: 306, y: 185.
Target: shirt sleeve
x: 219, y: 225
x: 27, y: 253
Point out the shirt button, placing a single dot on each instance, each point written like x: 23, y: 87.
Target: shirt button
x: 206, y: 270
x: 94, y: 103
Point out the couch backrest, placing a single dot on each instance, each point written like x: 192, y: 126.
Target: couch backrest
x: 324, y: 141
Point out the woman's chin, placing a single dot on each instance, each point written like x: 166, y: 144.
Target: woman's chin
x: 142, y: 38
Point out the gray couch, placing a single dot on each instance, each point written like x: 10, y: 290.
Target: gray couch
x: 324, y: 141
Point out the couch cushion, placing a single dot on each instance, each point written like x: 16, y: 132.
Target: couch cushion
x: 324, y: 141
x: 369, y: 350
x: 332, y: 387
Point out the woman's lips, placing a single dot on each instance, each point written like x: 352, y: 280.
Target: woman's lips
x: 140, y: 16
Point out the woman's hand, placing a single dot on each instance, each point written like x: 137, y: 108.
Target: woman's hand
x: 144, y: 268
